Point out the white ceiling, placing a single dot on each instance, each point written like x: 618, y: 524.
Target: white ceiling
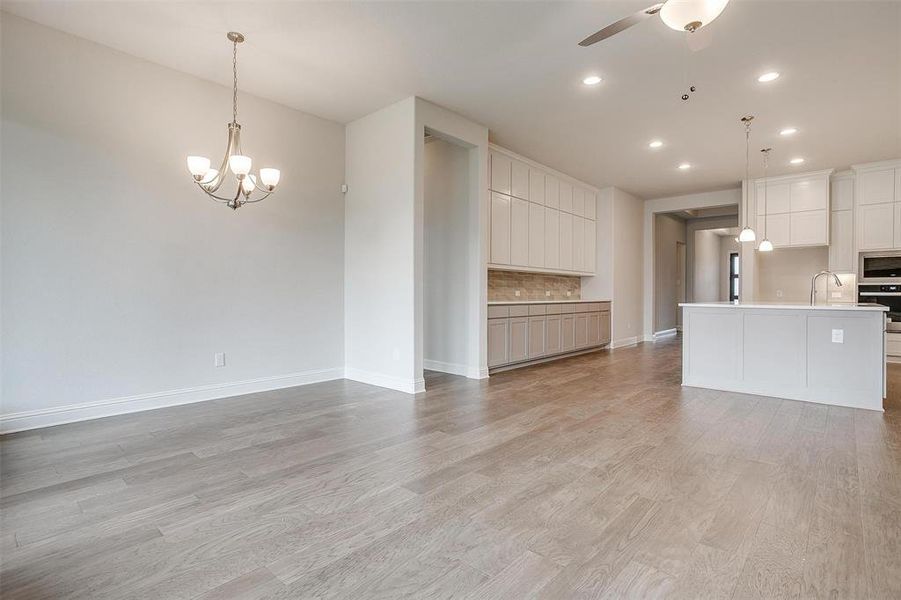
x: 516, y: 67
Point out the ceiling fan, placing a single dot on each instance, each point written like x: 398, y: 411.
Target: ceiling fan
x: 681, y: 15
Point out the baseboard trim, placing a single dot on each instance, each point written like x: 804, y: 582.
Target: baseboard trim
x: 453, y: 368
x: 73, y: 413
x: 665, y: 333
x: 408, y: 386
x: 629, y: 341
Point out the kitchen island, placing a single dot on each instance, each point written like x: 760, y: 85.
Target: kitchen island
x: 830, y: 354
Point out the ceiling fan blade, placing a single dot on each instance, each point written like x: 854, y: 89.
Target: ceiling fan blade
x: 700, y: 39
x: 622, y: 24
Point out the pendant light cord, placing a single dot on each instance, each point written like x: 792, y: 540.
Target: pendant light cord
x: 235, y: 79
x: 748, y: 172
x: 766, y: 188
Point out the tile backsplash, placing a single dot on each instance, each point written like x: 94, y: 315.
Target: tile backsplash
x: 503, y: 285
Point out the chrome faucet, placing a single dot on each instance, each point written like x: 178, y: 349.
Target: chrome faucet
x: 813, y: 285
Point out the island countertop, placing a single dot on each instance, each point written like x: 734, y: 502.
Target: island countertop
x: 787, y: 306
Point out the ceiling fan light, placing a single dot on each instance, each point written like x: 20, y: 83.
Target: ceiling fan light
x: 690, y: 15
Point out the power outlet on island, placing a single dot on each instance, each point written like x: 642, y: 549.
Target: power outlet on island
x: 838, y: 336
x: 219, y: 359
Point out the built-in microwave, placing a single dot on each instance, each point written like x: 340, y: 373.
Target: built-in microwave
x: 880, y: 267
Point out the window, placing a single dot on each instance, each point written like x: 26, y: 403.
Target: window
x: 733, y: 276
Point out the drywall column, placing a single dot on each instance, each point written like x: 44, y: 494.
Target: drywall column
x: 380, y: 248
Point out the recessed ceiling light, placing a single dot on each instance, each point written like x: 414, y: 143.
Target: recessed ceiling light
x: 684, y: 166
x: 655, y: 144
x: 788, y: 131
x: 771, y: 76
x: 591, y: 80
x: 796, y: 161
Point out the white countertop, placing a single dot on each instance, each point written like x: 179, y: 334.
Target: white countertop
x: 496, y: 302
x: 778, y: 306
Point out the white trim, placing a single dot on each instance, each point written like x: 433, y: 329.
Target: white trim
x: 545, y: 168
x: 629, y: 341
x: 779, y: 391
x: 665, y: 333
x: 452, y: 368
x: 408, y: 386
x: 73, y: 413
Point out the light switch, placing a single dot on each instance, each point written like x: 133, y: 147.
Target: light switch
x: 838, y: 336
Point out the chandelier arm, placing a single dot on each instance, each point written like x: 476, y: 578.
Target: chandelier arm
x: 247, y: 200
x: 212, y: 195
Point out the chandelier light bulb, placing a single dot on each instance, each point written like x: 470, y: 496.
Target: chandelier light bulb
x: 210, y: 177
x: 691, y: 15
x: 270, y: 177
x: 766, y: 246
x: 747, y: 235
x: 239, y: 164
x: 248, y: 184
x: 198, y: 166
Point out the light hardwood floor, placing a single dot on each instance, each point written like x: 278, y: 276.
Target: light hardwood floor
x: 596, y: 476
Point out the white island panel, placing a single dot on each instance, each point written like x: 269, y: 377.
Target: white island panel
x: 826, y: 354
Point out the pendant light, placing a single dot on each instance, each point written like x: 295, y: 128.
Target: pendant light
x: 747, y: 234
x: 249, y: 187
x: 765, y: 245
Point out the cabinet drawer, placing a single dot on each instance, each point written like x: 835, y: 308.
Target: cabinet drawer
x: 497, y: 312
x: 567, y: 308
x: 537, y: 309
x: 554, y: 309
x: 583, y: 308
x: 520, y: 310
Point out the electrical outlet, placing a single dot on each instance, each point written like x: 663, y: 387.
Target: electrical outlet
x: 568, y: 293
x: 778, y: 293
x: 219, y: 359
x: 547, y: 293
x: 838, y: 336
x: 516, y: 293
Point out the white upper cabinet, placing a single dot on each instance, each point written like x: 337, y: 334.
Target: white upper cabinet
x: 537, y: 186
x: 797, y: 208
x: 876, y: 187
x: 578, y: 202
x: 566, y: 197
x: 841, y: 223
x: 539, y: 219
x: 842, y: 193
x: 519, y: 185
x: 877, y: 196
x: 551, y: 191
x: 501, y: 173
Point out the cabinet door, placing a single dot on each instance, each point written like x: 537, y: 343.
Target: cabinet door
x: 776, y: 228
x: 897, y: 232
x: 876, y: 187
x: 566, y: 197
x: 551, y: 192
x: 536, y: 186
x: 497, y: 342
x: 841, y: 242
x: 875, y: 226
x: 842, y: 194
x: 518, y: 342
x: 566, y: 241
x: 501, y: 167
x: 809, y: 194
x: 519, y: 184
x: 776, y: 201
x: 594, y: 329
x: 536, y: 235
x: 568, y: 332
x: 553, y: 343
x: 536, y: 337
x: 809, y: 228
x: 500, y: 229
x: 898, y: 184
x: 605, y: 327
x: 581, y: 330
x: 551, y: 238
x: 578, y: 244
x: 591, y: 206
x: 519, y: 232
x: 591, y: 240
x: 578, y: 201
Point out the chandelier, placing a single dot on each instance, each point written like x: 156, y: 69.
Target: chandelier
x: 210, y: 180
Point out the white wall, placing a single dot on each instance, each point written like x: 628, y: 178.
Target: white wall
x: 668, y: 230
x: 120, y: 280
x: 446, y: 283
x: 628, y: 244
x: 379, y: 250
x: 672, y: 204
x: 707, y: 269
x: 693, y: 225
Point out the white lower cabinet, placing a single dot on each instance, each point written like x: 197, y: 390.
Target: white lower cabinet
x: 523, y: 332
